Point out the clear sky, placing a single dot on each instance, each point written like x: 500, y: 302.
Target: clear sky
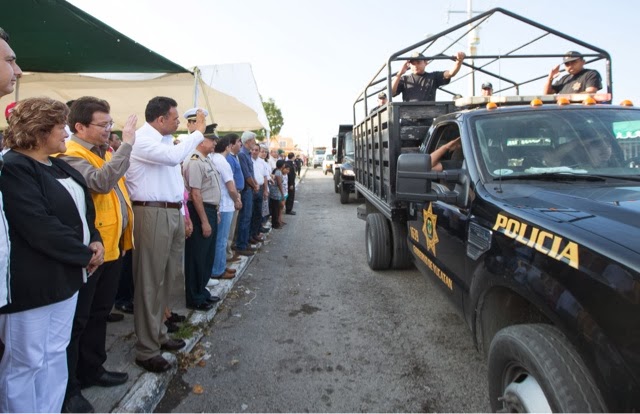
x: 314, y: 57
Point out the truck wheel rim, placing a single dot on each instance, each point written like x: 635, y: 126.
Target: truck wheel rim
x: 523, y: 393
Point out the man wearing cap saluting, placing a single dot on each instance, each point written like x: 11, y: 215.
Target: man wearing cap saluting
x: 202, y: 181
x: 487, y: 89
x: 421, y: 85
x: 382, y: 101
x: 579, y: 79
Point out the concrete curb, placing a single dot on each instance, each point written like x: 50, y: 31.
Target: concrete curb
x: 148, y: 389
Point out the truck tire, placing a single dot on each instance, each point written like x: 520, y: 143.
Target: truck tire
x: 534, y: 368
x: 400, y: 255
x: 344, y: 195
x: 325, y: 172
x: 336, y: 182
x: 378, y: 242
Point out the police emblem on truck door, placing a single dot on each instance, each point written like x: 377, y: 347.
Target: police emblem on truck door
x: 429, y: 229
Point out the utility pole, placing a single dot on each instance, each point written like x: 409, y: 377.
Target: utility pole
x: 473, y: 41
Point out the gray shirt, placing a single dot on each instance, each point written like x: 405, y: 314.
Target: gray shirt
x: 103, y: 180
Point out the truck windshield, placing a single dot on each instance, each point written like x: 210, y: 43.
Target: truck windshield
x: 349, y: 149
x: 530, y: 144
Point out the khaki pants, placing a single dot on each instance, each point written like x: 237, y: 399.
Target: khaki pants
x: 157, y: 262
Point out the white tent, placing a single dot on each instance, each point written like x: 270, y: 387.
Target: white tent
x: 228, y: 92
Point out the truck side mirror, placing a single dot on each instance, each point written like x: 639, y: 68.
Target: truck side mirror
x: 412, y: 177
x: 414, y: 180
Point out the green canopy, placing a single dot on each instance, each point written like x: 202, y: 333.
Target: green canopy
x: 56, y: 36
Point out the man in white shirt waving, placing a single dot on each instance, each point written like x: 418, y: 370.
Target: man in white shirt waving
x: 156, y: 188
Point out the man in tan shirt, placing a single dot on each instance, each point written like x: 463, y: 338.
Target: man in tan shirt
x: 202, y: 181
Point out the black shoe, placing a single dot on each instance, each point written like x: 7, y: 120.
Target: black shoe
x: 107, y: 379
x: 173, y: 345
x: 176, y: 318
x: 291, y: 213
x: 213, y: 299
x: 115, y: 317
x: 126, y: 307
x: 201, y: 307
x: 155, y: 364
x: 171, y: 327
x: 76, y: 403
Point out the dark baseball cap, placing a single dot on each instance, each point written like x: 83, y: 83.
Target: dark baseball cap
x: 571, y: 55
x: 487, y: 85
x: 382, y: 95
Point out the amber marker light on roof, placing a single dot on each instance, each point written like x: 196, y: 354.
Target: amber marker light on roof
x: 563, y: 101
x: 536, y: 102
x: 491, y: 105
x: 589, y: 101
x: 626, y: 102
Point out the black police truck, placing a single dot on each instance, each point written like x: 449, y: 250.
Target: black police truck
x: 531, y: 227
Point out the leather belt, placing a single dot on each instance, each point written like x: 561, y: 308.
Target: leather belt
x: 160, y: 204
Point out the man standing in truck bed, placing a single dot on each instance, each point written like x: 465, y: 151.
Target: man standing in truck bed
x: 421, y: 85
x: 578, y: 79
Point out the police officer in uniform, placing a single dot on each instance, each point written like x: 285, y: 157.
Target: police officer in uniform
x: 202, y: 181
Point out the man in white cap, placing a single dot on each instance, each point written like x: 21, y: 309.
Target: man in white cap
x: 578, y: 80
x: 421, y: 85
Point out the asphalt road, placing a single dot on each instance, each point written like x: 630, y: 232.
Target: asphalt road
x: 310, y: 328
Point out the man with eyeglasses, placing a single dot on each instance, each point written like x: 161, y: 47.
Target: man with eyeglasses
x: 421, y: 85
x: 88, y: 152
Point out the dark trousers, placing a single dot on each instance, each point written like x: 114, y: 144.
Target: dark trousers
x: 274, y: 209
x: 244, y: 219
x: 290, y: 197
x: 86, y: 350
x: 199, y: 254
x: 125, y: 287
x: 256, y: 217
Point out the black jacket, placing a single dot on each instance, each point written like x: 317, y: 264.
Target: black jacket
x: 47, y: 252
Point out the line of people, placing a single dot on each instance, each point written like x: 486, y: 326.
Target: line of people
x: 74, y: 209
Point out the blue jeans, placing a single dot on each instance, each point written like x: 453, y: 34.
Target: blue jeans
x: 244, y: 219
x: 220, y: 260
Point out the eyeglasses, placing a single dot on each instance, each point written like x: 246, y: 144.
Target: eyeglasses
x: 106, y: 127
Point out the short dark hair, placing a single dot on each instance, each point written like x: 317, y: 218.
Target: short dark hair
x: 82, y: 110
x: 157, y: 107
x: 233, y: 138
x: 290, y: 155
x: 4, y: 35
x: 279, y: 164
x: 222, y: 144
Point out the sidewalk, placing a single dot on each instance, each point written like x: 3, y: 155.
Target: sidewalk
x: 144, y: 390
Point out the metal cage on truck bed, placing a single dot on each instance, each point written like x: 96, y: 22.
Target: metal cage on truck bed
x: 376, y: 153
x: 382, y: 135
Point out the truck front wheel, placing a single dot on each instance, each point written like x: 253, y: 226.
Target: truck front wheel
x: 401, y: 256
x: 378, y: 242
x: 336, y: 182
x: 534, y: 368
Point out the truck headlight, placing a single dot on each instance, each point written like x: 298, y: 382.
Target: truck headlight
x: 349, y: 173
